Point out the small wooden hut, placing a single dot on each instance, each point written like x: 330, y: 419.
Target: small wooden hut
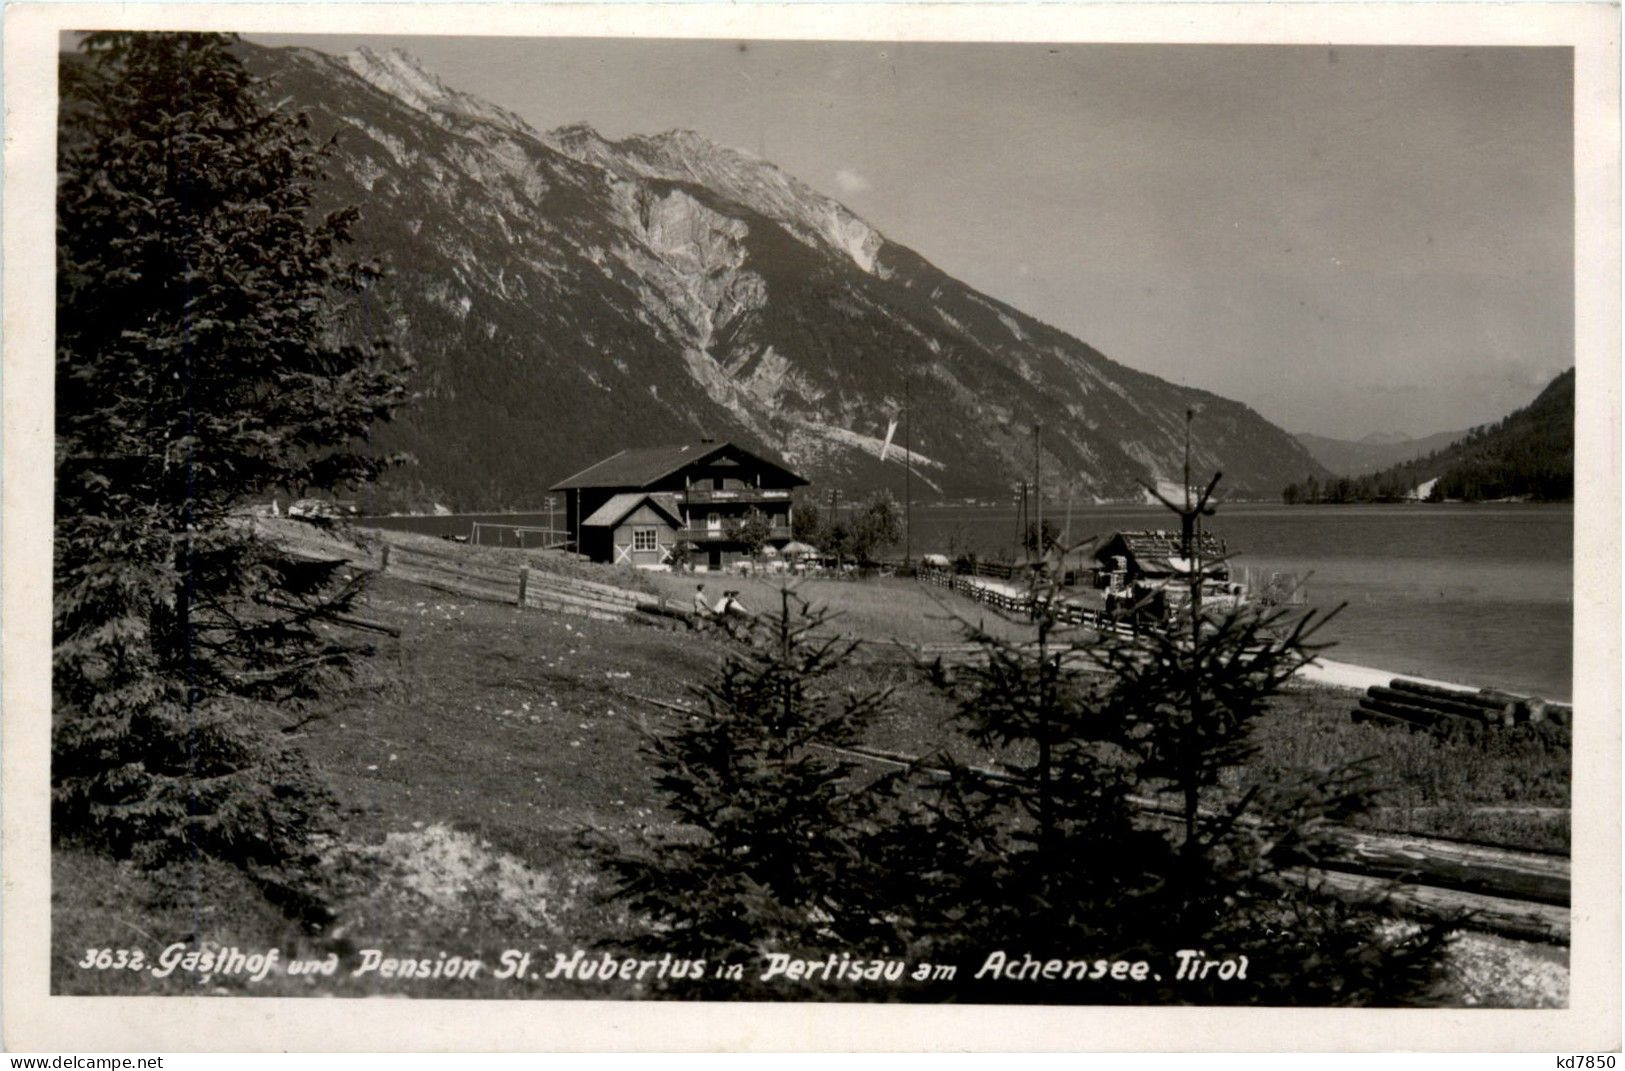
x: 1154, y: 558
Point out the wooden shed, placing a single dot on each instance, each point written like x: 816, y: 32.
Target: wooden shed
x: 1154, y: 557
x: 637, y: 528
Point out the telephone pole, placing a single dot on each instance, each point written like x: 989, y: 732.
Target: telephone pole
x: 1038, y: 497
x: 908, y: 478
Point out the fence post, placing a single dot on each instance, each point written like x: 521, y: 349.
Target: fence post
x: 383, y: 561
x: 524, y: 582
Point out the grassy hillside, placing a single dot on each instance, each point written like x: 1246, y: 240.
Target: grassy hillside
x: 487, y: 748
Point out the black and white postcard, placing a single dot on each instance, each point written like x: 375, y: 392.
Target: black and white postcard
x: 653, y: 527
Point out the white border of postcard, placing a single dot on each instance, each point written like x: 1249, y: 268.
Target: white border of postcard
x: 36, y: 1021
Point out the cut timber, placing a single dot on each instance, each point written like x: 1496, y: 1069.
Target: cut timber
x: 1382, y: 713
x: 1511, y: 918
x: 546, y: 582
x: 1455, y: 695
x: 1422, y: 715
x: 656, y: 609
x: 1520, y: 894
x: 552, y: 600
x: 409, y: 558
x: 1449, y: 706
x: 1452, y: 864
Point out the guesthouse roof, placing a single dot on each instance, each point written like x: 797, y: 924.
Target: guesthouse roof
x: 618, y: 508
x: 641, y: 467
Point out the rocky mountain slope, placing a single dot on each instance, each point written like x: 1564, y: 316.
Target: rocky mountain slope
x: 566, y: 296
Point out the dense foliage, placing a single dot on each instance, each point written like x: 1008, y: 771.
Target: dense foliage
x: 1069, y: 844
x: 766, y: 861
x: 1529, y: 454
x: 197, y: 371
x: 859, y: 535
x: 1112, y: 828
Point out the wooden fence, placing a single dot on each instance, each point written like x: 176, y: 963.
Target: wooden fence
x: 516, y: 585
x: 1025, y: 603
x: 457, y: 572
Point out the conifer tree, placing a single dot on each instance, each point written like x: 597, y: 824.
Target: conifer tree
x: 198, y: 369
x: 766, y: 856
x: 1065, y: 845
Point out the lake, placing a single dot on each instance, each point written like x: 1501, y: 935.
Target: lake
x: 1480, y: 594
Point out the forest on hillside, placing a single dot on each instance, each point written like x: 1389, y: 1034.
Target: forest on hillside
x: 1527, y: 455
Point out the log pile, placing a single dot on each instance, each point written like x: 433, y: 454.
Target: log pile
x: 1415, y: 705
x: 1493, y: 889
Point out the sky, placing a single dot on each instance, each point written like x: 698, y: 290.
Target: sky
x: 1353, y: 241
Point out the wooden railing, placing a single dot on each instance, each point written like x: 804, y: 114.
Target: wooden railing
x: 702, y: 534
x: 702, y: 496
x: 1027, y: 603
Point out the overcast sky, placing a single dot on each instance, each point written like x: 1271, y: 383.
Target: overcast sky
x: 1351, y: 240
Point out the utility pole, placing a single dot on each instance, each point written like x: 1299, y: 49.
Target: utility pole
x: 908, y: 478
x: 1038, y: 497
x: 1021, y: 517
x: 834, y: 504
x: 1189, y: 550
x: 1066, y: 533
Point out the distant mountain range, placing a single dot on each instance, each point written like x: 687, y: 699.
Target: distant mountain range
x: 566, y: 296
x: 1344, y: 457
x: 1527, y: 455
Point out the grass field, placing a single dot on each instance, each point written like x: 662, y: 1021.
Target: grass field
x: 480, y: 752
x: 882, y: 609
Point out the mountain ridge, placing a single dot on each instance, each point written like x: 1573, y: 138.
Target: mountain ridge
x: 1353, y: 457
x: 1528, y: 455
x: 567, y: 295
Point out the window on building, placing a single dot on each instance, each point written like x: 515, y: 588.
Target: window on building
x: 645, y: 539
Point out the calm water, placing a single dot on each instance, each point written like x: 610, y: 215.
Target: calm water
x: 1483, y: 595
x: 1477, y: 594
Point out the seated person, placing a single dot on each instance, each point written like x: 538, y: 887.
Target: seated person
x: 731, y: 614
x: 702, y: 608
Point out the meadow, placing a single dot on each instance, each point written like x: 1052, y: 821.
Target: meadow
x: 481, y: 756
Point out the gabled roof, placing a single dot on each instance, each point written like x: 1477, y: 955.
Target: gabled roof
x: 620, y: 506
x: 1158, y: 552
x: 632, y: 469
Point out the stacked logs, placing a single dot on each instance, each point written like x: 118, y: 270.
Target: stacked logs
x: 1415, y: 705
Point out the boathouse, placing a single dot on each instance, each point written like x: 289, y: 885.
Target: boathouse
x: 651, y: 499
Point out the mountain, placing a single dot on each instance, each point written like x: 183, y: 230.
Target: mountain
x: 1529, y: 454
x: 1350, y: 458
x: 566, y: 296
